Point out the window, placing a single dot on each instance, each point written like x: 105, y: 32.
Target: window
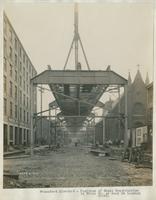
x: 11, y: 109
x: 16, y: 75
x: 24, y: 99
x: 27, y: 117
x: 27, y: 64
x: 20, y: 52
x: 5, y: 27
x: 21, y: 81
x: 10, y: 35
x: 11, y: 132
x: 16, y: 93
x: 10, y: 88
x: 5, y: 84
x: 20, y: 67
x: 24, y: 115
x: 32, y: 73
x: 16, y: 111
x: 24, y: 72
x: 5, y: 48
x: 29, y: 68
x: 27, y: 88
x: 11, y: 70
x: 5, y: 65
x: 10, y: 53
x: 23, y: 57
x: 27, y: 76
x: 20, y: 97
x: 24, y: 85
x: 27, y: 102
x: 20, y: 113
x: 5, y: 106
x: 15, y: 60
x: 15, y: 44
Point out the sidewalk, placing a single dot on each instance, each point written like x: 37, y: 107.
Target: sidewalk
x: 23, y: 150
x: 15, y: 152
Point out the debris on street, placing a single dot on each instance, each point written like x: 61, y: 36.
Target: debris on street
x: 72, y: 167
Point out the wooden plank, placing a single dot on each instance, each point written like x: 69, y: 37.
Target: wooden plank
x: 14, y: 176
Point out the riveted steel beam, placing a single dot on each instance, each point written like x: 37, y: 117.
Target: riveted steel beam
x: 79, y: 77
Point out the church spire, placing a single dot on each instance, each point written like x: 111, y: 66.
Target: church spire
x: 138, y: 78
x: 129, y: 79
x: 147, y: 79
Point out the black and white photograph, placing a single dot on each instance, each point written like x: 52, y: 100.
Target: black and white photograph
x: 77, y: 93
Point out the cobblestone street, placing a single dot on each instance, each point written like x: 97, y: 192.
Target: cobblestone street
x: 74, y: 167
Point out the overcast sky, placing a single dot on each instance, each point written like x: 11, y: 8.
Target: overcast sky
x: 116, y: 34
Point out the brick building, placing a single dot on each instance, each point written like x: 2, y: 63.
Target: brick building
x: 17, y: 72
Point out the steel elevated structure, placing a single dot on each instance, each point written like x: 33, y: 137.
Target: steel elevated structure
x: 78, y: 91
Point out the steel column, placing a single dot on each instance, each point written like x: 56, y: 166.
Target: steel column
x: 69, y: 54
x: 84, y: 53
x: 87, y: 135
x: 94, y: 133
x: 49, y: 128
x: 104, y: 136
x: 31, y: 118
x: 126, y: 123
x: 55, y: 128
x: 119, y: 112
x: 41, y: 90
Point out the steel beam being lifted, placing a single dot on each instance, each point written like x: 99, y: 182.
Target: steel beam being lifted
x: 79, y: 77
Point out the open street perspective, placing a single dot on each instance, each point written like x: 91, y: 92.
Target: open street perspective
x: 77, y: 95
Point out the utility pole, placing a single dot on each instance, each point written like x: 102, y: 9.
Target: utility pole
x: 126, y: 113
x: 41, y: 92
x: 119, y: 111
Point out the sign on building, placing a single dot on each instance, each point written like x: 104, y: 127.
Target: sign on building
x: 141, y: 135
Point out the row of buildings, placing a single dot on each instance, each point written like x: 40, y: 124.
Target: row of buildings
x: 139, y: 110
x: 17, y: 73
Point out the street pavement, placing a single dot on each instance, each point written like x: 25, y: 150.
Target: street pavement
x: 73, y: 167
